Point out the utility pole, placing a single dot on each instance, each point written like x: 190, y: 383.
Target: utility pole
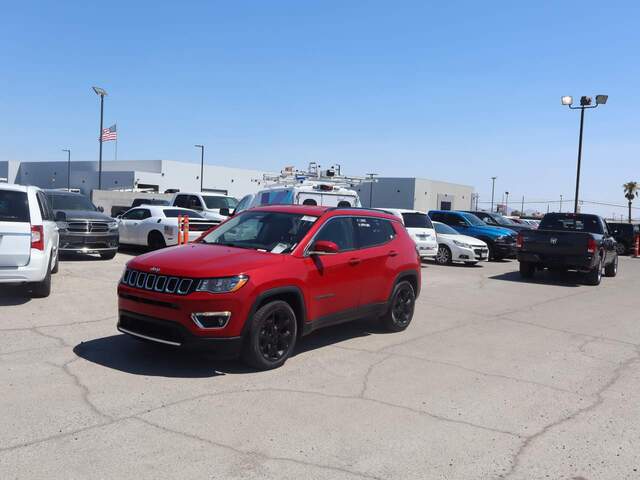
x: 506, y: 203
x: 561, y: 205
x: 371, y: 177
x: 493, y: 188
x: 68, y: 168
x: 522, y: 208
x: 101, y: 92
x: 201, y: 147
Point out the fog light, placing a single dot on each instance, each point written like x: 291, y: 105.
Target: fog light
x: 211, y: 320
x: 464, y: 256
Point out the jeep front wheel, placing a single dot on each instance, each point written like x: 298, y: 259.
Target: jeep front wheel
x: 401, y: 307
x: 271, y: 337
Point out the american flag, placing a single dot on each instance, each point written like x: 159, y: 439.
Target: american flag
x: 109, y: 133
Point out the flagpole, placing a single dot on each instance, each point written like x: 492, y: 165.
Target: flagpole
x: 116, y: 124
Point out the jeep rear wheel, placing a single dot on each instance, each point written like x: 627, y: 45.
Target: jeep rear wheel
x: 271, y: 337
x: 401, y: 308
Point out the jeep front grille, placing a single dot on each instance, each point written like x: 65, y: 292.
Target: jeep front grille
x: 158, y: 283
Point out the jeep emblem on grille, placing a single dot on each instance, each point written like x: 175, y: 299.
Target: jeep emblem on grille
x: 553, y: 241
x: 155, y: 269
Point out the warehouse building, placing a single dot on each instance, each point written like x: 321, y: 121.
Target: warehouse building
x: 415, y: 194
x: 150, y: 175
x: 162, y: 175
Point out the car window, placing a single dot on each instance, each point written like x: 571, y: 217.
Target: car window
x: 42, y: 204
x: 580, y: 223
x: 14, y: 206
x: 451, y: 219
x: 194, y: 203
x: 244, y: 203
x: 174, y: 212
x: 339, y: 230
x: 472, y: 219
x: 444, y: 229
x: 416, y: 220
x: 137, y: 214
x: 70, y: 202
x: 182, y: 201
x: 273, y: 232
x: 373, y: 231
x: 220, y: 202
x: 275, y: 197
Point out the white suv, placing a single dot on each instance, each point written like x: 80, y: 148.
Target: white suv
x: 420, y: 229
x: 28, y: 238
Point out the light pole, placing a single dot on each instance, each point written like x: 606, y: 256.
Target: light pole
x: 585, y: 102
x: 68, y: 168
x: 561, y: 204
x: 506, y: 203
x: 201, y: 147
x: 371, y: 177
x: 522, y: 207
x: 493, y: 188
x: 101, y: 92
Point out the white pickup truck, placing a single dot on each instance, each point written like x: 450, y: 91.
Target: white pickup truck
x: 213, y: 206
x: 28, y: 238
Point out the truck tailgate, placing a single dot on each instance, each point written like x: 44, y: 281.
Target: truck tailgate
x: 555, y: 242
x: 15, y: 244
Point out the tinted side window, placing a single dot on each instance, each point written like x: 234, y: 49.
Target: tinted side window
x: 14, y: 206
x: 145, y: 213
x: 133, y: 214
x: 181, y: 201
x: 437, y: 217
x: 194, y: 203
x: 45, y: 211
x: 339, y: 231
x: 373, y: 231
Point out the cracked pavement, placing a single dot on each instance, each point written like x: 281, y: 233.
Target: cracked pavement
x: 494, y: 379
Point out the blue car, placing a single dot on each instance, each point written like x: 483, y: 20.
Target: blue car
x: 501, y: 241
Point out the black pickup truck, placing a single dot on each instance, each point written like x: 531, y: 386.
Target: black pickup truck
x: 567, y: 241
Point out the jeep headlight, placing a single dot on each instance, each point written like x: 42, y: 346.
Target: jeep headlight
x: 222, y: 285
x: 461, y: 244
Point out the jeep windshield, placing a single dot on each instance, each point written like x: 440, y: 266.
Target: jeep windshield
x: 70, y: 202
x: 473, y: 220
x: 273, y: 232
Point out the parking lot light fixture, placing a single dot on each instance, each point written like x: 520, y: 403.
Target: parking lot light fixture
x: 101, y: 92
x: 585, y: 102
x: 68, y: 168
x: 201, y: 147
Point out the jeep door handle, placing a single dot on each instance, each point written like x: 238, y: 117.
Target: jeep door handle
x: 354, y: 261
x: 393, y: 253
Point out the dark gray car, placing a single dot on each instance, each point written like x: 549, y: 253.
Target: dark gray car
x: 83, y: 228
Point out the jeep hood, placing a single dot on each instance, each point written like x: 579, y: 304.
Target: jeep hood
x: 199, y: 260
x: 492, y: 231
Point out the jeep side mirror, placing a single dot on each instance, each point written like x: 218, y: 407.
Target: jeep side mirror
x: 324, y: 247
x: 101, y: 209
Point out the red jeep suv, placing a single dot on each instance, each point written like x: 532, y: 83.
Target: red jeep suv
x: 256, y: 282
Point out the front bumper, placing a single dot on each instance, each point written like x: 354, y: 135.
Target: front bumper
x: 88, y: 242
x: 175, y: 334
x: 505, y: 250
x: 473, y: 254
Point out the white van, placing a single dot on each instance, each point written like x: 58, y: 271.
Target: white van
x: 28, y: 238
x: 307, y: 193
x: 420, y: 229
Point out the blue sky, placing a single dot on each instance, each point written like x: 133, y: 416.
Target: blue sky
x: 456, y: 91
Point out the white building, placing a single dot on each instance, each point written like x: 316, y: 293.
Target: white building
x: 154, y: 175
x: 415, y: 193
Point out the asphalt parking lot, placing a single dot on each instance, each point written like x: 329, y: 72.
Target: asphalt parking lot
x: 495, y: 378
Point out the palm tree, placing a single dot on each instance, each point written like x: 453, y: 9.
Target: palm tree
x: 630, y: 192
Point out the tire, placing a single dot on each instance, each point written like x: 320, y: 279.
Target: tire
x: 108, y: 255
x: 444, y: 257
x: 611, y: 270
x: 527, y: 269
x: 57, y: 264
x: 271, y: 337
x: 594, y: 276
x: 156, y: 241
x: 621, y: 248
x: 42, y: 289
x: 401, y: 308
x: 492, y: 253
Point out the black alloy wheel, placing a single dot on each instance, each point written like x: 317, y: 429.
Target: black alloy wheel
x: 403, y: 303
x: 272, y: 336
